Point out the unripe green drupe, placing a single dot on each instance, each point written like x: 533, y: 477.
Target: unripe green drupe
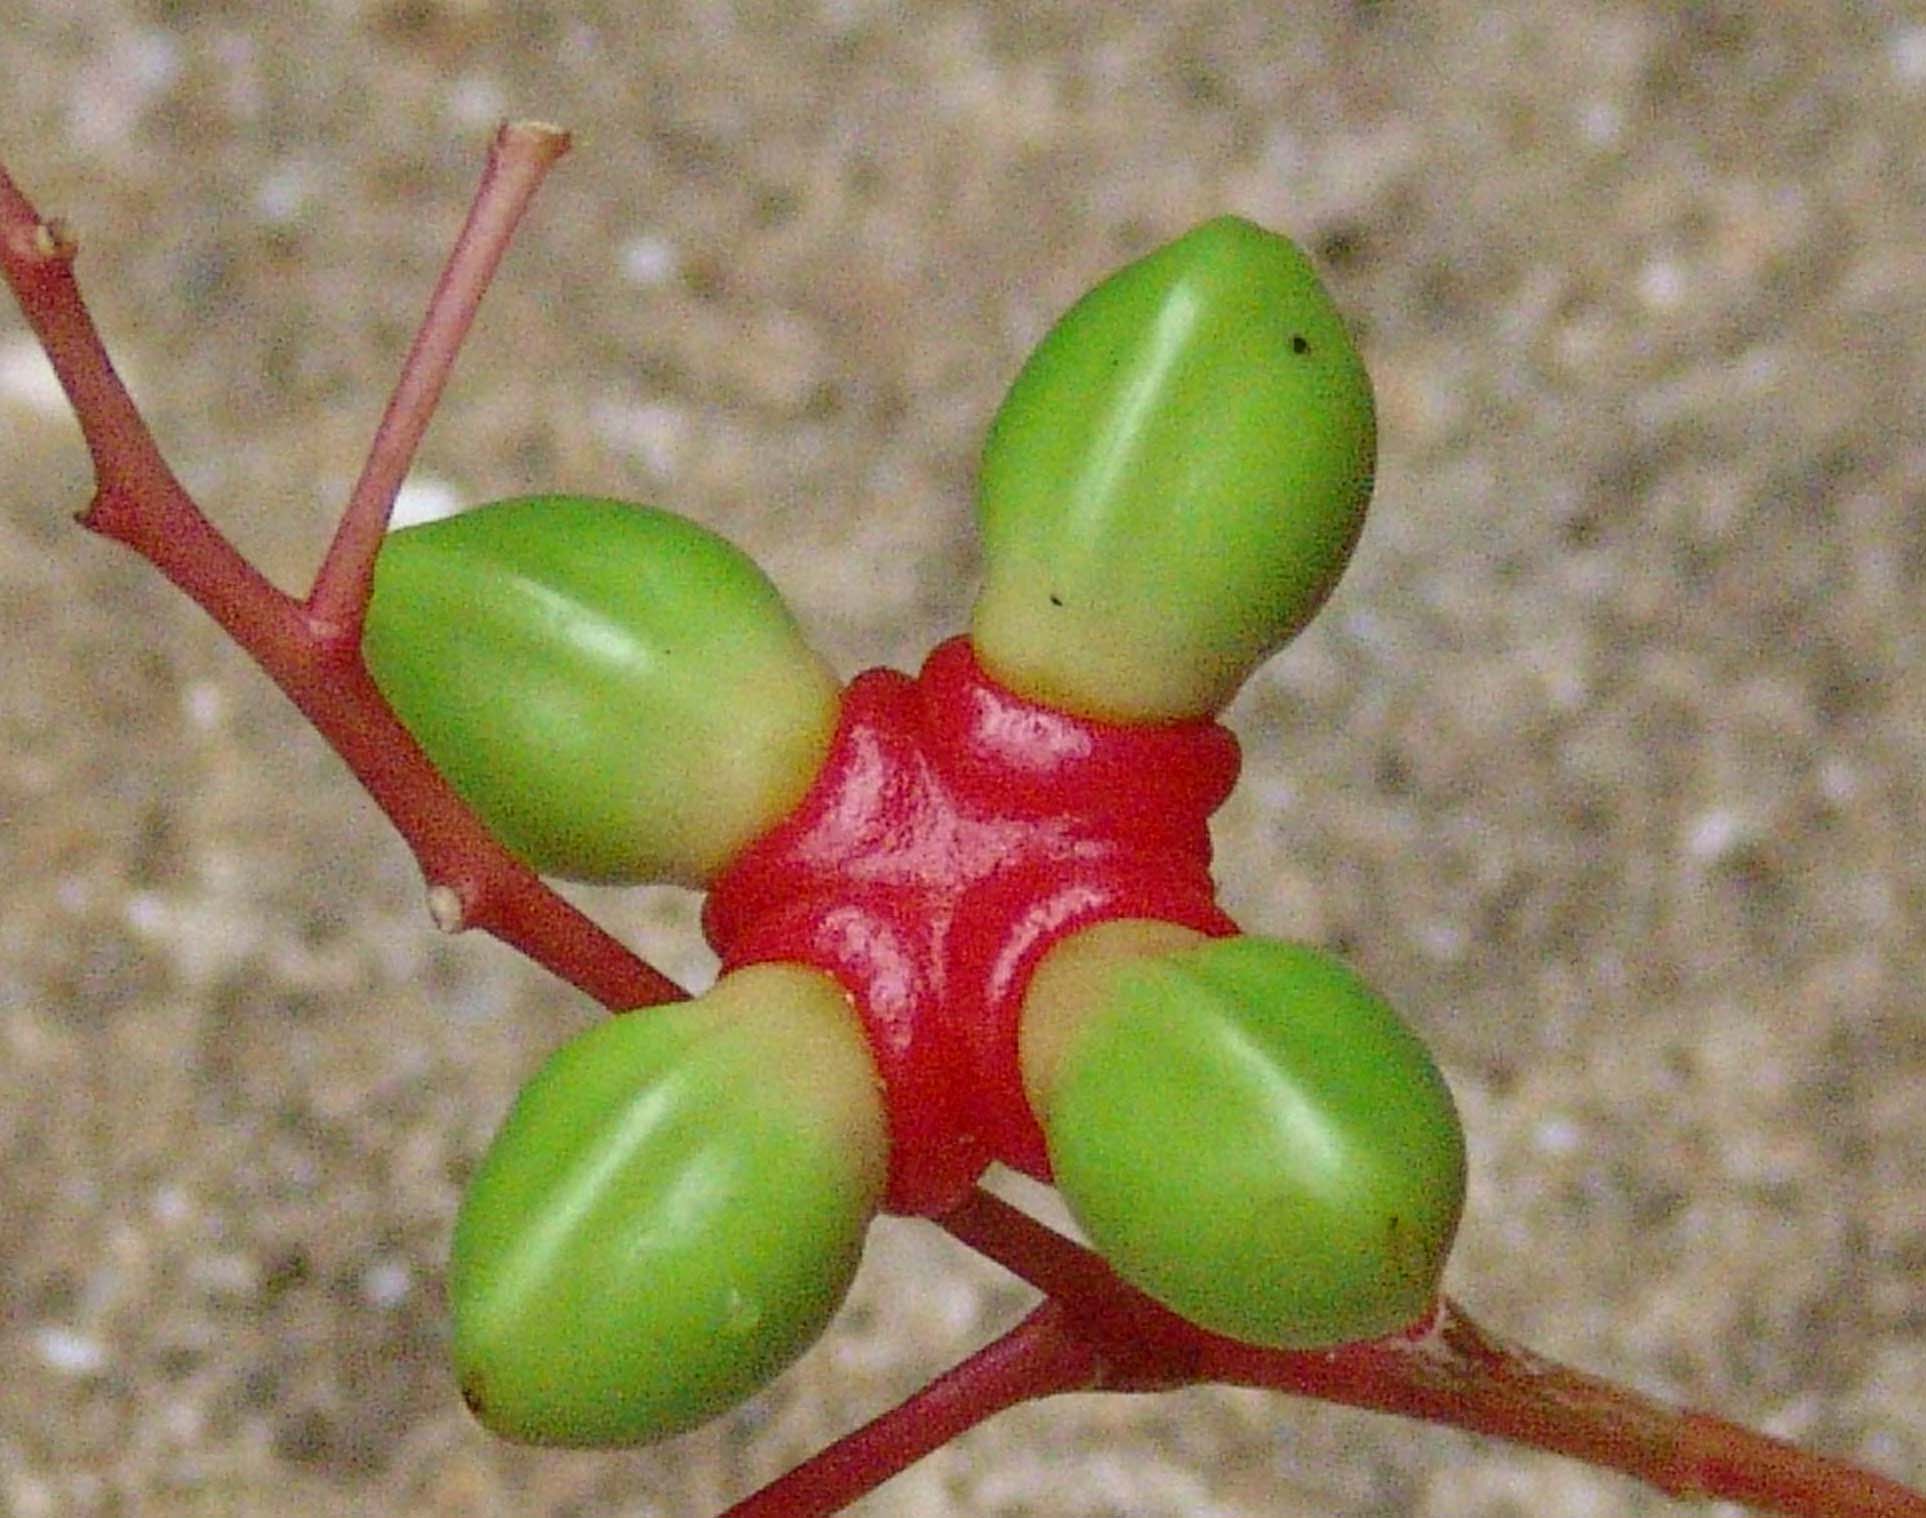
x: 670, y: 1215
x: 1245, y: 1130
x: 1175, y: 481
x: 619, y: 693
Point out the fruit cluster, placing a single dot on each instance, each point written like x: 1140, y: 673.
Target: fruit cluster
x: 963, y: 917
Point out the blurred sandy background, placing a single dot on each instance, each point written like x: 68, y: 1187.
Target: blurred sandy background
x: 1606, y: 761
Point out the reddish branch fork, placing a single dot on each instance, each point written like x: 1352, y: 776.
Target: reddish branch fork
x: 1093, y: 1332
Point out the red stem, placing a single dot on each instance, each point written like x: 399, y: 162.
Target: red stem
x: 522, y: 155
x: 1458, y: 1374
x: 316, y: 658
x: 1040, y: 1357
x: 1451, y: 1371
x: 1096, y: 1332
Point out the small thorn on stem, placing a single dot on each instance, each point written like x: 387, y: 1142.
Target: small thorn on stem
x: 446, y: 909
x: 54, y: 239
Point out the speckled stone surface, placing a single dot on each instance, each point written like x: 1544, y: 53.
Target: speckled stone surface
x: 1605, y: 762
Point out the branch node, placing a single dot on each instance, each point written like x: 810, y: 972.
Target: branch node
x: 330, y: 640
x: 94, y: 515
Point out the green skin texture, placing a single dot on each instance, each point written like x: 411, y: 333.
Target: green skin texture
x: 1175, y: 481
x: 620, y: 694
x: 1247, y: 1133
x: 671, y: 1213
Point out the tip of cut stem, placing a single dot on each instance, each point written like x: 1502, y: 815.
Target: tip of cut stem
x: 541, y: 137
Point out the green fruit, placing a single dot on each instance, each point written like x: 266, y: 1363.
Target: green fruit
x: 1246, y: 1131
x: 671, y: 1213
x: 620, y: 694
x: 1175, y: 481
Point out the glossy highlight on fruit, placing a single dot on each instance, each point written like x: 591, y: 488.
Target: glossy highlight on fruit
x: 1247, y: 1132
x: 619, y: 693
x: 1175, y: 481
x: 671, y: 1213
